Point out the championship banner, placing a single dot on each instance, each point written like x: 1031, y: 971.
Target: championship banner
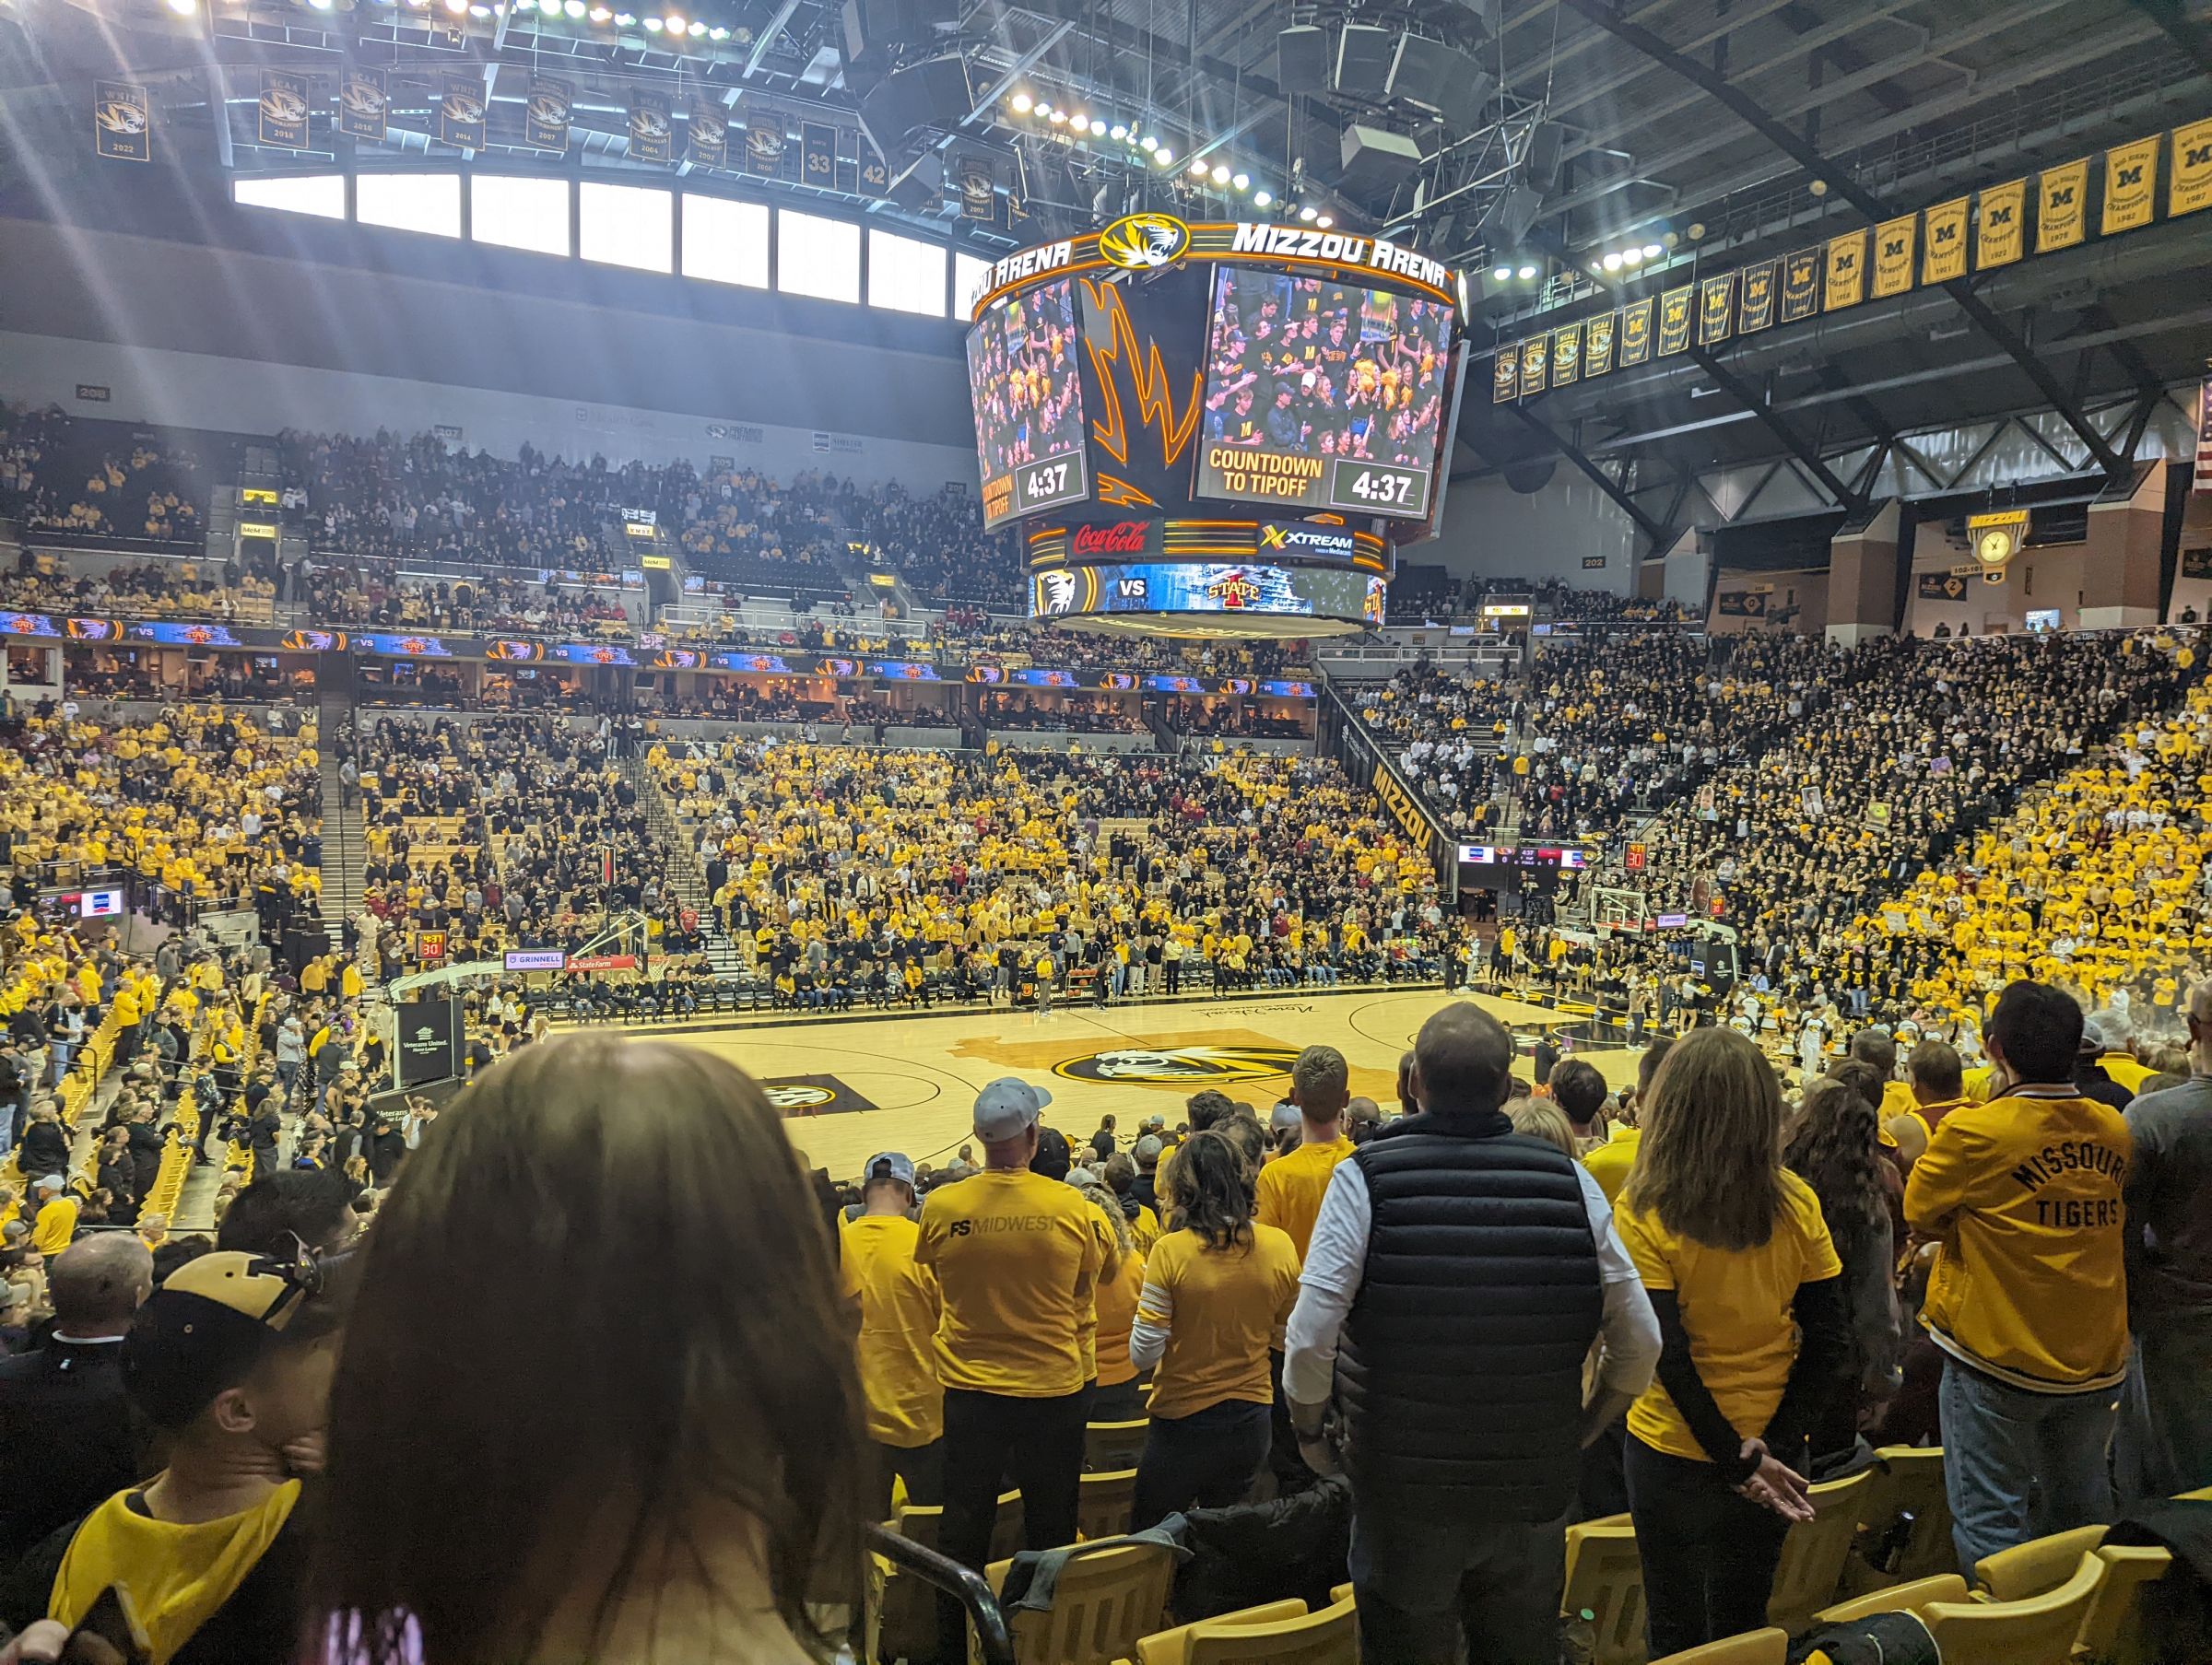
x: 1716, y: 308
x: 1535, y: 361
x: 818, y: 155
x: 709, y: 137
x: 1893, y: 242
x: 764, y: 144
x: 1943, y: 259
x: 364, y: 103
x: 1846, y: 284
x: 281, y: 116
x: 1597, y: 344
x: 979, y: 190
x: 2204, y: 438
x: 1566, y: 355
x: 122, y: 122
x: 1506, y: 375
x: 461, y: 112
x: 1800, y: 285
x: 1757, y: 305
x: 2131, y: 182
x: 2001, y: 225
x: 2189, y: 187
x: 546, y: 116
x: 1636, y: 332
x: 2062, y: 207
x: 875, y: 175
x: 1674, y: 317
x: 652, y: 126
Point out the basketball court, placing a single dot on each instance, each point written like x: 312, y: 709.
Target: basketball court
x: 850, y: 1086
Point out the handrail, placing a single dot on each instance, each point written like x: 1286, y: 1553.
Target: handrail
x: 994, y: 1644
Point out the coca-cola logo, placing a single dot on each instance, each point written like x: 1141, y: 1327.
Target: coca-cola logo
x: 1123, y: 537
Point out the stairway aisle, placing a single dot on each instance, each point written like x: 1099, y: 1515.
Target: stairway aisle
x: 344, y: 852
x: 685, y: 874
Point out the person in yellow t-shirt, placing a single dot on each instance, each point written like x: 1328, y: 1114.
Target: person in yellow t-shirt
x: 1609, y: 1163
x: 1937, y: 1081
x: 56, y: 1223
x: 1219, y: 1292
x: 1017, y: 1259
x: 1291, y: 1187
x: 898, y: 1309
x: 1119, y: 1396
x: 1748, y: 1293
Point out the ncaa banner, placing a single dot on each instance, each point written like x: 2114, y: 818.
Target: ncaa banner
x: 1597, y: 344
x: 2190, y: 186
x: 2062, y: 207
x: 282, y: 115
x: 1716, y: 308
x: 1506, y: 375
x: 1846, y: 285
x: 652, y: 126
x: 1801, y: 284
x: 1893, y: 242
x: 1676, y: 311
x: 978, y: 191
x: 1535, y: 363
x: 1756, y: 307
x: 461, y: 112
x: 2131, y: 183
x: 2001, y: 225
x: 876, y: 174
x: 364, y: 103
x: 1943, y: 259
x: 763, y: 143
x: 707, y: 140
x: 818, y: 155
x: 1636, y: 332
x: 1566, y: 355
x: 546, y: 116
x: 122, y: 122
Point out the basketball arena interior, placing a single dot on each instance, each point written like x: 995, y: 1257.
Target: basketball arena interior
x: 1105, y: 832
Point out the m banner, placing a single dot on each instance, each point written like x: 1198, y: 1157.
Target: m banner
x: 652, y: 126
x: 763, y: 143
x: 364, y: 103
x: 1757, y: 304
x: 122, y: 122
x: 1677, y: 311
x: 1943, y: 259
x: 1536, y: 364
x: 709, y: 137
x: 282, y: 116
x: 1846, y: 284
x: 2001, y: 225
x: 1598, y: 344
x: 1505, y: 374
x: 1566, y: 355
x: 1716, y: 308
x: 1636, y: 331
x: 1893, y: 240
x: 2062, y: 207
x: 2131, y: 183
x: 1800, y: 285
x: 545, y: 115
x: 818, y: 155
x: 461, y: 112
x: 2189, y: 187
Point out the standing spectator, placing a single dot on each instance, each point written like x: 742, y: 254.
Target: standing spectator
x: 1118, y: 1395
x: 2164, y: 1441
x: 1432, y: 1237
x: 46, y: 1146
x: 2022, y: 1196
x: 1291, y: 1187
x: 1938, y: 1081
x: 1579, y: 1092
x: 56, y: 1223
x: 1748, y: 1293
x: 898, y: 1309
x: 1217, y: 1291
x: 1103, y: 1141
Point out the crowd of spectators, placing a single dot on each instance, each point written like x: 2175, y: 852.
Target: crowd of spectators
x: 61, y: 477
x: 172, y: 588
x: 1066, y: 713
x: 380, y: 596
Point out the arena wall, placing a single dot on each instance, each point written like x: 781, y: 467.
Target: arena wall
x: 1490, y: 530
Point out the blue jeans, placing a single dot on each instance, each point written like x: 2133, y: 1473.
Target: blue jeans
x: 2164, y: 1442
x: 1425, y: 1576
x: 2019, y: 1465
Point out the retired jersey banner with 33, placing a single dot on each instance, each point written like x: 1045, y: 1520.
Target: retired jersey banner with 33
x: 281, y: 118
x: 1716, y: 308
x: 818, y: 155
x: 364, y: 105
x: 1756, y: 307
x: 1506, y: 375
x: 1943, y: 259
x: 1893, y: 242
x: 545, y: 115
x: 2131, y: 183
x: 122, y: 122
x: 2001, y: 225
x: 1536, y: 363
x: 1801, y: 284
x: 652, y: 126
x: 1597, y: 344
x: 1636, y: 331
x: 2062, y: 207
x: 708, y: 138
x: 2189, y: 187
x: 1677, y: 312
x: 1846, y: 285
x: 461, y: 112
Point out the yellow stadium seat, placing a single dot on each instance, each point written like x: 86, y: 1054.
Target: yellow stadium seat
x: 2040, y: 1564
x: 1768, y: 1647
x: 1342, y: 1592
x: 2036, y: 1629
x: 1328, y: 1638
x: 902, y: 1610
x: 1102, y: 1504
x: 1897, y: 1598
x: 1112, y: 1445
x: 2112, y: 1633
x: 1907, y: 1491
x: 1814, y: 1551
x: 1605, y: 1589
x: 1103, y: 1606
x: 1173, y: 1647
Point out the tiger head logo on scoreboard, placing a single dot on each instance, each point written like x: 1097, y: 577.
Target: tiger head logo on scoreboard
x: 1139, y: 243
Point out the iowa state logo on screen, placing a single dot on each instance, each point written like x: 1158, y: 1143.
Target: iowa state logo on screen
x: 1136, y: 242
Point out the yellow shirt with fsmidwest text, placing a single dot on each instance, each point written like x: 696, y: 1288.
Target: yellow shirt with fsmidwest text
x: 1017, y: 1258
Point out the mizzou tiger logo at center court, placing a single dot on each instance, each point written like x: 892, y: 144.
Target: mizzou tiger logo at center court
x: 1195, y: 1066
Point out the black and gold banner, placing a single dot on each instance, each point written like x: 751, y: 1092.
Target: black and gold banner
x: 1505, y: 374
x: 1801, y: 284
x: 1893, y: 240
x: 122, y: 122
x: 763, y: 143
x: 2001, y: 225
x: 1677, y: 312
x: 1741, y: 603
x: 707, y: 142
x: 876, y: 174
x: 461, y: 112
x: 282, y: 116
x: 1598, y: 344
x: 1940, y: 586
x: 1716, y: 308
x: 1756, y: 310
x: 364, y: 103
x: 2062, y: 207
x: 2131, y: 184
x: 979, y: 190
x: 1943, y: 259
x: 1566, y: 355
x: 818, y: 155
x: 1536, y: 360
x: 652, y: 126
x: 1636, y: 331
x: 2189, y: 187
x: 546, y: 116
x: 1846, y: 285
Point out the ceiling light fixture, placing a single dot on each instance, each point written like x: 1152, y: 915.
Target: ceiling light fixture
x: 1652, y: 250
x: 1242, y: 182
x: 1164, y: 157
x: 1502, y: 273
x: 1022, y: 103
x: 1260, y: 199
x: 1528, y: 271
x: 1308, y: 213
x: 1323, y: 221
x: 1220, y: 174
x: 1119, y: 132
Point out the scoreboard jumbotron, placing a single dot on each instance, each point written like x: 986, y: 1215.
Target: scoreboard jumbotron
x: 1213, y: 429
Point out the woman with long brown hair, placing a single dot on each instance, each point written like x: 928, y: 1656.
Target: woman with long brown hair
x: 595, y: 1404
x: 1747, y: 1290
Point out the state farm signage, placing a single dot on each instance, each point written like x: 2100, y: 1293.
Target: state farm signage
x: 1117, y: 538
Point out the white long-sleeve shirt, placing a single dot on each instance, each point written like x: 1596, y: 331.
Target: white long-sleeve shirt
x: 1337, y: 1257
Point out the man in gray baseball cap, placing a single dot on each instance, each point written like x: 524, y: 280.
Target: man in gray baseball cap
x: 900, y: 1311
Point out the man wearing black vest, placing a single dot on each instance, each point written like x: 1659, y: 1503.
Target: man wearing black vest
x: 1458, y: 1274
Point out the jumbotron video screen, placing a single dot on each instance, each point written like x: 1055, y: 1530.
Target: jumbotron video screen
x: 1322, y: 394
x: 1028, y: 403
